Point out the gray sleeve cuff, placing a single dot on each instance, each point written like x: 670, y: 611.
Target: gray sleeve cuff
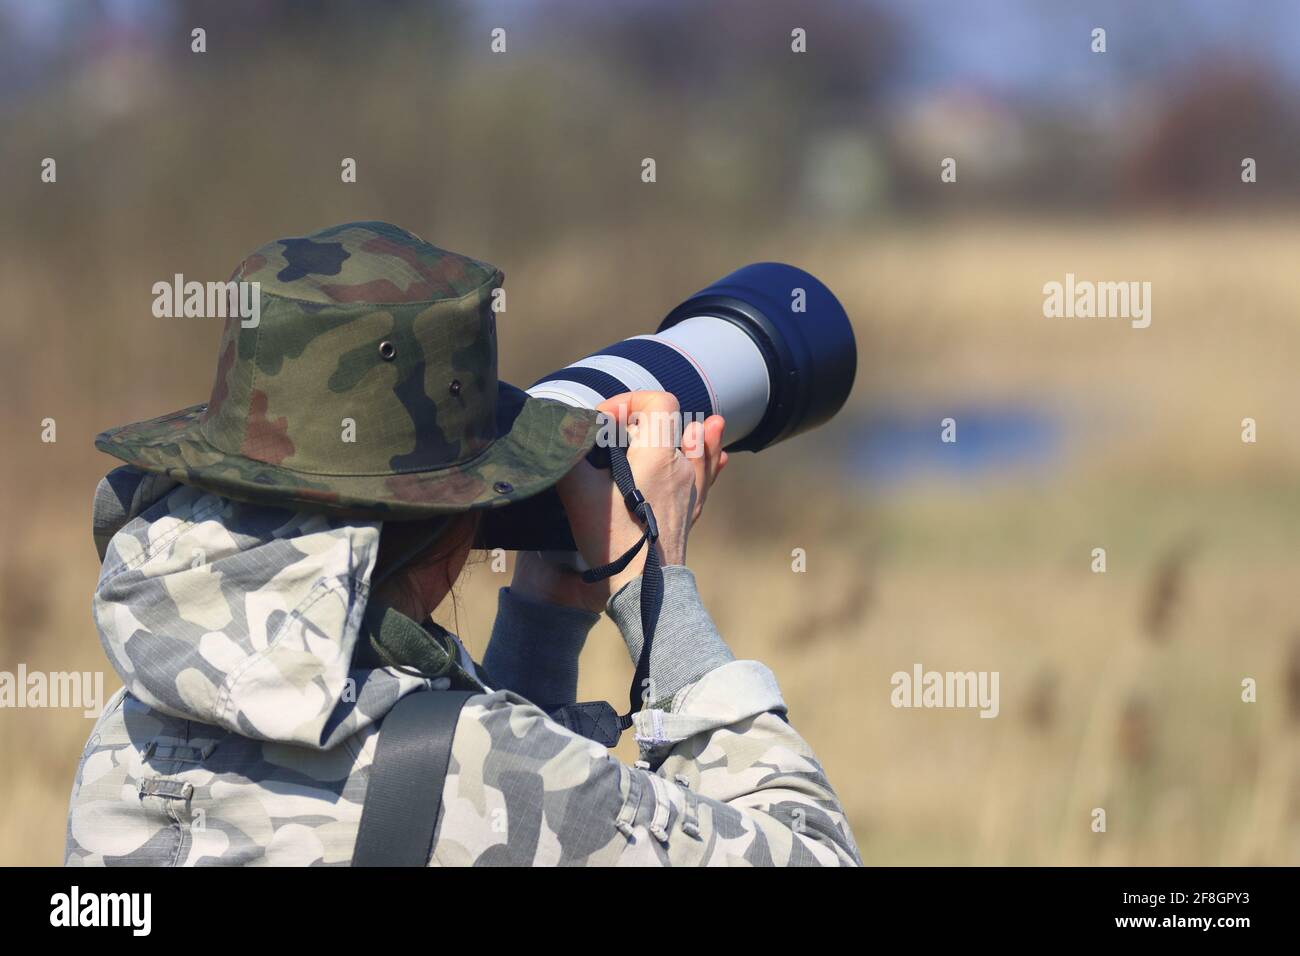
x: 686, y: 645
x: 534, y: 649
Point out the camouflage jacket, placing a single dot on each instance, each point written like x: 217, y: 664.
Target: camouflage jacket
x: 247, y: 721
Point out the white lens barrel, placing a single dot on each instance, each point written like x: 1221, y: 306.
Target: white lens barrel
x: 571, y: 393
x: 732, y: 367
x: 709, y: 363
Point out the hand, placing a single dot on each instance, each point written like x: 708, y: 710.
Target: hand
x: 674, y: 481
x: 542, y: 580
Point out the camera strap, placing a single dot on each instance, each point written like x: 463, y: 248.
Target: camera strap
x: 652, y: 575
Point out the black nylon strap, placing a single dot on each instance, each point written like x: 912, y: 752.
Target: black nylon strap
x: 652, y: 575
x: 404, y: 794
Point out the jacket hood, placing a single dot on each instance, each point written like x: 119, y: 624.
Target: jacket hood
x: 237, y: 615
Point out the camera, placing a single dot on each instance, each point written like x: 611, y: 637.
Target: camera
x: 768, y: 347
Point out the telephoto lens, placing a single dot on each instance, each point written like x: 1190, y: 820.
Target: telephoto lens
x: 768, y: 347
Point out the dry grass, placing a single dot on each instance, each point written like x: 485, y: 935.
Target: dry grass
x: 1119, y: 691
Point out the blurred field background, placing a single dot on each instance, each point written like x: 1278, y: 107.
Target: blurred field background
x: 1118, y: 690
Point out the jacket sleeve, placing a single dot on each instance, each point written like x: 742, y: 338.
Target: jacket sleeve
x: 534, y: 649
x: 723, y: 777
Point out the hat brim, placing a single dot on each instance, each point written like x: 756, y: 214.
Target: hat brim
x: 538, y: 441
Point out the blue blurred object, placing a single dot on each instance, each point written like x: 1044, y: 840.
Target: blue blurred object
x: 893, y: 446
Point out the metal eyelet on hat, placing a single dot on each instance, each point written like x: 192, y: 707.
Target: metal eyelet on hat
x: 503, y: 487
x: 454, y: 387
x: 387, y: 350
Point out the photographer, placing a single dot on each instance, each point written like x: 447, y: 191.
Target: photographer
x: 266, y: 590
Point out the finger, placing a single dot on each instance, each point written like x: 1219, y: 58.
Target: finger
x: 655, y: 402
x: 644, y: 418
x: 705, y: 461
x: 657, y: 416
x: 711, y: 441
x: 617, y: 407
x: 630, y: 402
x: 694, y: 437
x: 713, y: 428
x: 692, y: 440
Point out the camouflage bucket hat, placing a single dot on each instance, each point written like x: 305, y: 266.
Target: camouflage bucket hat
x: 368, y: 387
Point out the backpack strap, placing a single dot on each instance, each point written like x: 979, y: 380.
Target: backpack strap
x: 404, y: 793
